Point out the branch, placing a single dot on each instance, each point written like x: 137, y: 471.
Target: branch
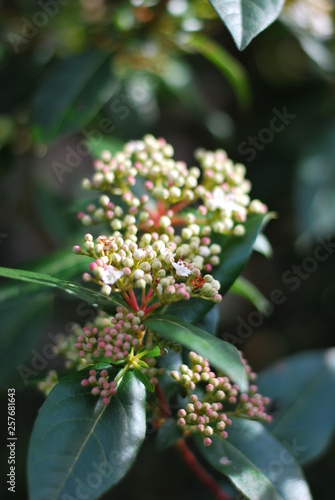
x: 200, y: 472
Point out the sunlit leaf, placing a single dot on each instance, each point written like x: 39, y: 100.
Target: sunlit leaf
x: 80, y: 445
x: 246, y: 18
x: 249, y: 291
x: 220, y: 354
x: 263, y: 246
x: 256, y: 463
x: 90, y: 296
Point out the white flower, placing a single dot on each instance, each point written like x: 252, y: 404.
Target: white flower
x: 224, y: 201
x: 167, y: 254
x: 111, y: 275
x: 181, y: 268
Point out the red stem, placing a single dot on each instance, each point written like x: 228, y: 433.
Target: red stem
x: 134, y: 303
x: 147, y: 298
x: 160, y: 207
x: 163, y: 404
x: 179, y: 206
x: 149, y: 294
x: 127, y: 299
x: 200, y: 472
x: 152, y: 308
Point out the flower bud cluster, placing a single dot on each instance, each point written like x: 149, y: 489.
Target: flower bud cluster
x: 122, y: 265
x: 117, y: 218
x: 219, y: 184
x: 219, y: 189
x: 100, y: 384
x: 110, y: 337
x: 158, y: 240
x: 221, y: 399
x: 152, y: 372
x: 49, y: 382
x: 225, y: 193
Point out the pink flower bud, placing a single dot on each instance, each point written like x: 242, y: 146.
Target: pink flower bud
x: 207, y: 441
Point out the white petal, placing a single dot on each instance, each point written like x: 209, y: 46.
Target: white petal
x: 181, y: 268
x: 111, y: 275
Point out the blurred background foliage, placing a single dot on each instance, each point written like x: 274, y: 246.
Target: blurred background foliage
x: 80, y: 76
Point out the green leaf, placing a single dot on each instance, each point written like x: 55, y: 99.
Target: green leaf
x: 61, y: 264
x: 144, y: 380
x: 210, y: 321
x: 90, y: 296
x: 263, y: 246
x: 302, y: 389
x: 256, y: 463
x: 219, y: 353
x: 168, y: 434
x: 153, y: 353
x: 80, y: 447
x: 234, y: 256
x: 170, y: 362
x: 102, y: 366
x: 244, y: 288
x: 227, y: 64
x: 72, y: 93
x: 245, y: 19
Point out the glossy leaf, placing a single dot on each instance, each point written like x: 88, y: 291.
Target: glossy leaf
x: 85, y: 84
x: 229, y: 67
x: 153, y: 353
x: 170, y: 362
x: 89, y: 296
x: 62, y: 264
x: 210, y: 321
x: 256, y: 463
x: 244, y: 288
x: 80, y: 446
x: 245, y: 19
x: 168, y: 434
x: 144, y: 379
x: 302, y: 389
x: 234, y: 256
x: 220, y: 354
x: 263, y: 246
